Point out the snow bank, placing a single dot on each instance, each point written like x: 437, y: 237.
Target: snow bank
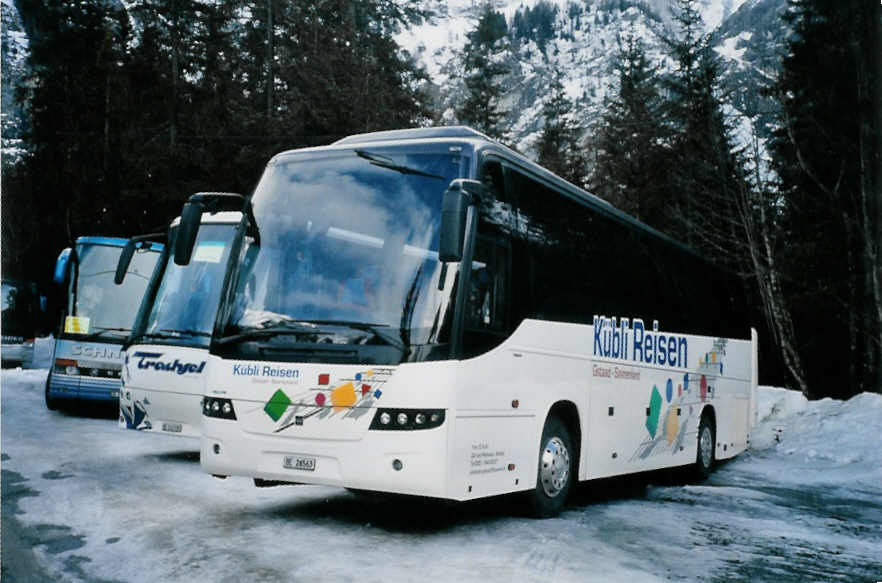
x: 829, y: 441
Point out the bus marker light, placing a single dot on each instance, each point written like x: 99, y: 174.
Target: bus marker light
x: 515, y: 404
x: 216, y: 449
x: 397, y: 465
x: 511, y: 467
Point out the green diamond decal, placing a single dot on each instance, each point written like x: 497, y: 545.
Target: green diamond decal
x: 277, y: 405
x: 655, y: 402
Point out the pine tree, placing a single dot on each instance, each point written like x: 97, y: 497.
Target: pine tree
x: 707, y: 174
x: 828, y: 155
x: 558, y: 148
x: 631, y: 161
x: 483, y: 69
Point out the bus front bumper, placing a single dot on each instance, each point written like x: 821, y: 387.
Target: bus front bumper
x: 401, y: 462
x: 63, y: 386
x: 160, y: 411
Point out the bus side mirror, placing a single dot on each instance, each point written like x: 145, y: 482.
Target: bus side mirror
x: 188, y: 228
x: 62, y: 266
x: 144, y: 242
x: 125, y: 258
x: 454, y: 208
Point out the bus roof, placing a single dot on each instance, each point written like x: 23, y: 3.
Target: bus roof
x: 97, y: 240
x: 112, y: 242
x: 414, y: 134
x: 209, y: 218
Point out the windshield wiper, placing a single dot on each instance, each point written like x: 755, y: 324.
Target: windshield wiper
x: 295, y: 327
x: 386, y: 162
x: 381, y: 331
x: 99, y: 330
x: 102, y: 331
x: 175, y: 332
x: 275, y: 329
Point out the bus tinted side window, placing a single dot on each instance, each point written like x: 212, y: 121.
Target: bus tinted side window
x: 579, y: 262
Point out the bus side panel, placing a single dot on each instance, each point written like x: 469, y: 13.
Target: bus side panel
x: 737, y: 396
x: 502, y: 399
x: 646, y: 416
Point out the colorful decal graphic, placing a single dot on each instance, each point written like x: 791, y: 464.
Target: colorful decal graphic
x: 350, y: 398
x: 135, y: 415
x: 655, y: 403
x: 681, y: 414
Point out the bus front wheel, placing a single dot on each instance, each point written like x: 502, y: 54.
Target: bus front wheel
x: 555, y: 472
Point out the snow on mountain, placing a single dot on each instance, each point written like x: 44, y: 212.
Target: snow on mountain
x: 14, y: 50
x: 586, y: 35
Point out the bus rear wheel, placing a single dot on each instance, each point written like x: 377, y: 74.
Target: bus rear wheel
x: 704, y: 455
x: 555, y: 470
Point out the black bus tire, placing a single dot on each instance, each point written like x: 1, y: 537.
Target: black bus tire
x: 704, y: 454
x: 554, y: 474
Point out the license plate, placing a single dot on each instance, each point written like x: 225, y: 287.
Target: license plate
x: 172, y: 427
x: 293, y: 462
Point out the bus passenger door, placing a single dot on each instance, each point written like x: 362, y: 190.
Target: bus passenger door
x: 487, y: 323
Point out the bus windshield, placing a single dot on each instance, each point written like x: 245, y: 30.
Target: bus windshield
x: 348, y: 250
x: 97, y: 307
x: 185, y: 305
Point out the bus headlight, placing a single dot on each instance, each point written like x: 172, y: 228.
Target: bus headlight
x: 407, y: 419
x: 218, y: 408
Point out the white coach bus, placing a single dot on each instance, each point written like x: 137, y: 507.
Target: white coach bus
x: 427, y: 312
x: 165, y: 367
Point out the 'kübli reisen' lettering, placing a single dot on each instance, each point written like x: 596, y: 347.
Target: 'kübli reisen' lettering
x: 257, y: 370
x: 630, y: 340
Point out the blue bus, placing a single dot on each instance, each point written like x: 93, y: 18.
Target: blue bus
x: 96, y: 319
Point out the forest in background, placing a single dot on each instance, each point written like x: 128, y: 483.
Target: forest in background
x: 128, y: 110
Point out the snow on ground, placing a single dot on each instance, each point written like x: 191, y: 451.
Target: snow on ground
x: 99, y: 503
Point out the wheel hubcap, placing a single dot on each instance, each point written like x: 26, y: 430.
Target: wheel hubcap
x: 554, y: 466
x: 705, y: 445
